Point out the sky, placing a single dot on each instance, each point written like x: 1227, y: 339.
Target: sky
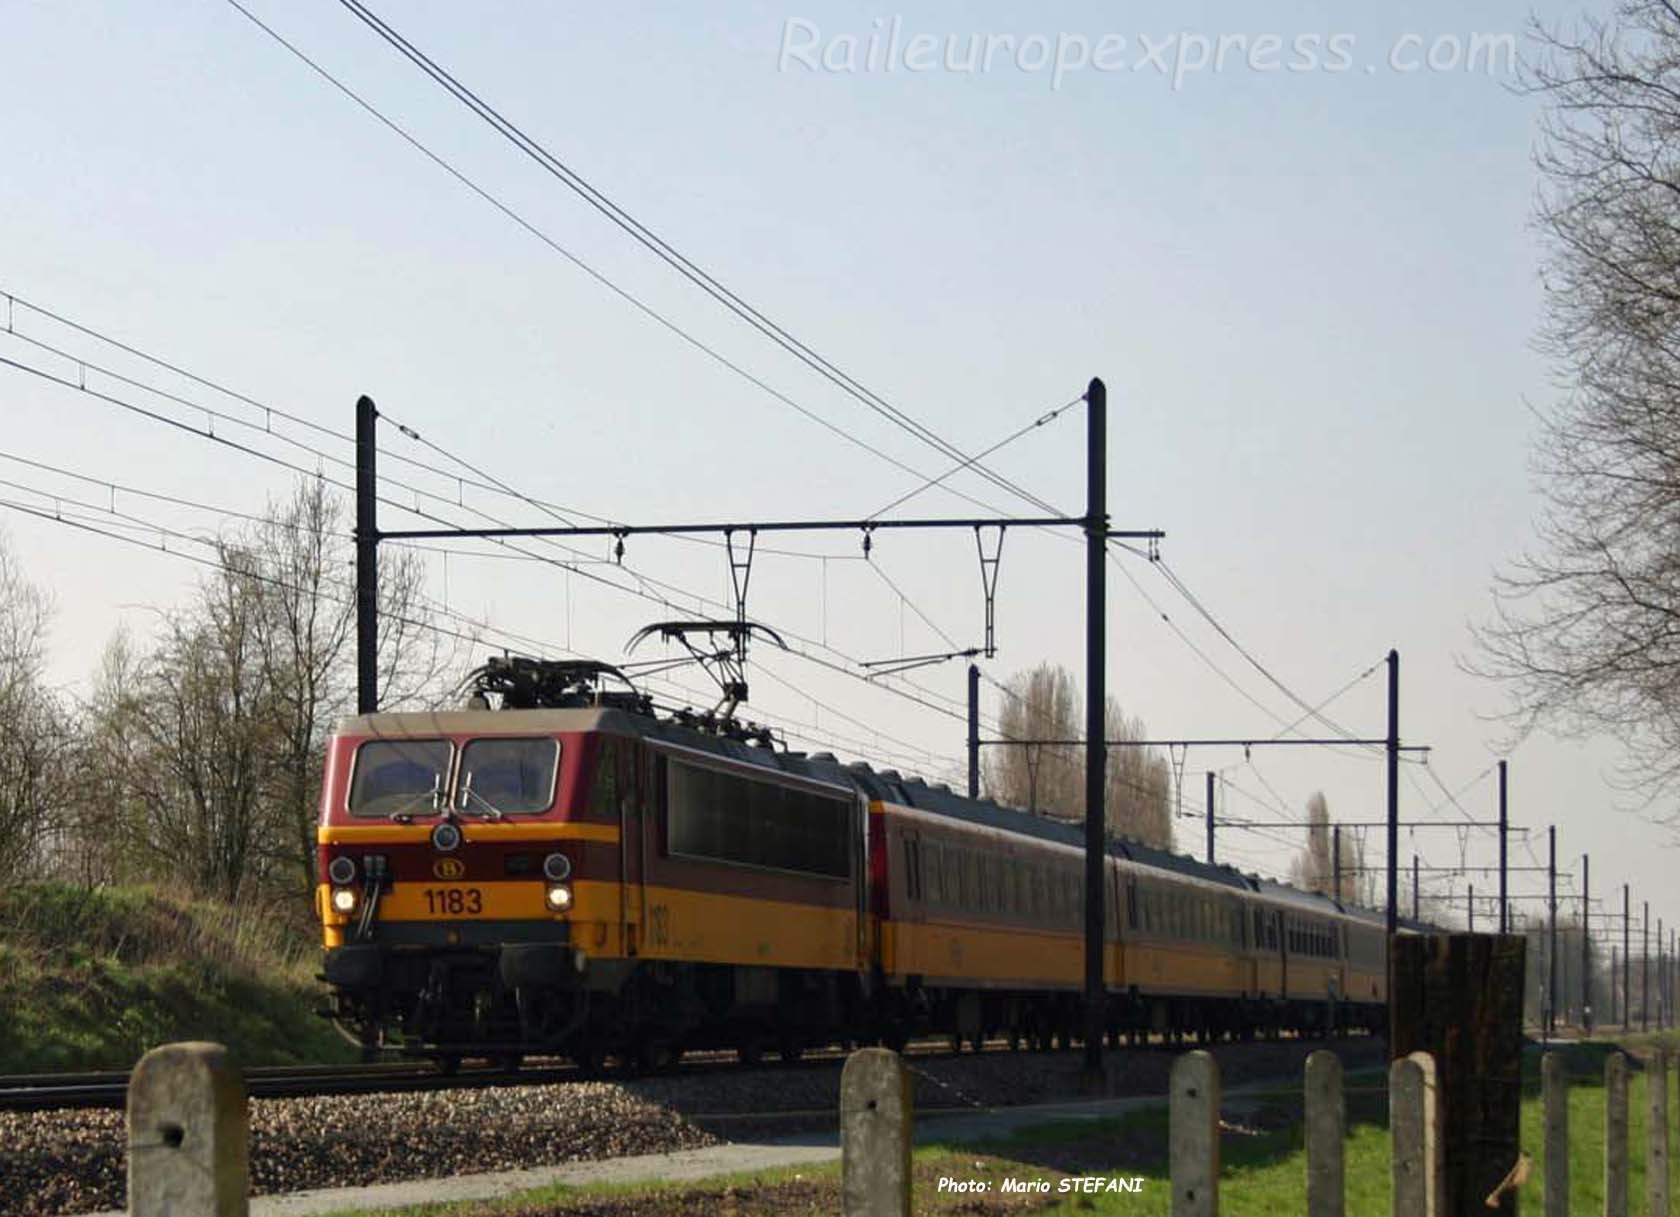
x: 1305, y: 271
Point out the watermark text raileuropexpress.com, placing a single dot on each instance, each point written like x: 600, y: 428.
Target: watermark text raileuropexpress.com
x: 888, y: 46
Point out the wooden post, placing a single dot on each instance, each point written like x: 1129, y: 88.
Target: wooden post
x: 188, y: 1134
x: 1193, y: 1136
x: 1554, y: 1088
x: 1656, y: 1129
x: 1615, y: 1136
x: 1459, y: 998
x: 875, y: 1127
x: 1326, y: 1120
x: 1414, y: 1123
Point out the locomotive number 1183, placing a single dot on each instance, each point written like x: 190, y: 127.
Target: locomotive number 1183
x: 454, y: 901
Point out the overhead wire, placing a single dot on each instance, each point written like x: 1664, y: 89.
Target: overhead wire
x: 1195, y: 602
x: 899, y: 686
x: 475, y: 634
x: 1044, y: 419
x: 271, y: 412
x: 1196, y: 650
x: 673, y: 258
x: 592, y: 272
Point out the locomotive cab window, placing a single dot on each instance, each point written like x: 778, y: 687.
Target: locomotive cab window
x: 507, y: 776
x: 398, y: 777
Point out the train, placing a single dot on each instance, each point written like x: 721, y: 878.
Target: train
x: 560, y: 870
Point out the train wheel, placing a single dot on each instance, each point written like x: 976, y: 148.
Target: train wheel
x: 449, y: 1064
x: 750, y: 1051
x: 588, y: 1057
x: 956, y: 1041
x: 651, y: 1054
x: 790, y: 1049
x: 510, y: 1062
x: 1014, y: 1039
x: 978, y: 1041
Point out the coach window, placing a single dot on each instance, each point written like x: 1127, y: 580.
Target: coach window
x: 399, y: 777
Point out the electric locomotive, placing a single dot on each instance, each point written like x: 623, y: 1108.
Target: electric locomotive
x: 571, y: 873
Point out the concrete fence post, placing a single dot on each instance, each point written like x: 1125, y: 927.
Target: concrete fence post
x: 1554, y: 1094
x: 875, y: 1128
x: 1615, y: 1136
x: 1193, y: 1135
x: 188, y: 1134
x: 1656, y: 1127
x: 1326, y: 1120
x: 1414, y: 1123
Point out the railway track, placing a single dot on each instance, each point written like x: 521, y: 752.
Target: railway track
x: 39, y: 1092
x: 65, y: 1091
x: 62, y: 1091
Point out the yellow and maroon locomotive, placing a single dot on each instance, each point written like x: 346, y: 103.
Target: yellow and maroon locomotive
x: 570, y: 873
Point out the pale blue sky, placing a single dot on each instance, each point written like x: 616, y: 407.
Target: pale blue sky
x: 1312, y: 295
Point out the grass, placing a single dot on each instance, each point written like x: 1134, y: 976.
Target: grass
x: 1262, y: 1163
x: 91, y: 979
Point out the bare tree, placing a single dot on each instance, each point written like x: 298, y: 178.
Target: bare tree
x: 1312, y: 870
x: 202, y: 719
x: 305, y: 639
x: 1315, y: 868
x: 212, y: 746
x: 1043, y: 703
x: 1039, y: 704
x: 33, y: 733
x: 104, y: 823
x: 1586, y: 626
x: 1139, y: 795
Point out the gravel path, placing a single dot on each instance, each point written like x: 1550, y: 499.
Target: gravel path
x: 72, y: 1162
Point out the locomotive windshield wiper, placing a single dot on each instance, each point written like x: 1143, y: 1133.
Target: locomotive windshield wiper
x: 490, y: 812
x: 402, y: 815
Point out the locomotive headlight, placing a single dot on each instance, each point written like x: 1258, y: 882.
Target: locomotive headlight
x: 342, y: 870
x: 557, y: 867
x: 344, y: 900
x: 559, y: 897
x: 446, y: 837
